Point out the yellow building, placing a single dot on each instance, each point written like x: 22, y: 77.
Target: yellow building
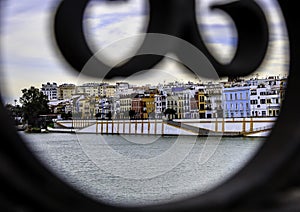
x: 201, y: 103
x: 89, y: 89
x: 110, y: 91
x: 148, y: 102
x: 125, y: 106
x: 102, y: 90
x: 65, y: 91
x: 85, y: 108
x: 92, y: 90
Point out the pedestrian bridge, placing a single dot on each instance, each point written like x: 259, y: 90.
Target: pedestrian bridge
x: 229, y: 127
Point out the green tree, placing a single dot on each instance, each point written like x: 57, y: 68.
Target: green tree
x: 34, y: 103
x: 15, y: 112
x: 170, y: 112
x: 131, y: 114
x: 109, y: 115
x: 66, y: 116
x: 98, y: 115
x: 10, y: 109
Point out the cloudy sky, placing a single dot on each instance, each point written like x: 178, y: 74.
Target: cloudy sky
x: 29, y: 55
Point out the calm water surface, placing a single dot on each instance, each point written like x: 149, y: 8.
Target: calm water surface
x: 137, y: 170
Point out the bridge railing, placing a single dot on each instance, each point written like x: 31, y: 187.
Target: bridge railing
x: 258, y: 129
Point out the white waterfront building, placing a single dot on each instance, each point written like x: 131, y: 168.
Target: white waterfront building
x: 265, y: 100
x: 50, y: 90
x: 160, y: 105
x: 214, y: 100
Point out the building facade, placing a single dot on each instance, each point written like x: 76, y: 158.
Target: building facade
x: 50, y: 90
x: 160, y: 105
x: 236, y: 102
x: 214, y: 100
x: 65, y: 91
x: 172, y: 103
x: 201, y: 100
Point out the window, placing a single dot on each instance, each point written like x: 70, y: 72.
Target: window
x: 231, y: 96
x: 235, y: 95
x: 253, y: 92
x: 241, y: 96
x: 262, y: 101
x: 262, y: 93
x: 264, y: 113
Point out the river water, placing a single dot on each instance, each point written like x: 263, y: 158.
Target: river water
x: 140, y: 170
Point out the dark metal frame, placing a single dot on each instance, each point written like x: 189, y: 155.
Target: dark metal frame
x: 269, y: 181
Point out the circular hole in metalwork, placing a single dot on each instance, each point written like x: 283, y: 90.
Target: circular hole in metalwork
x: 108, y: 21
x: 62, y: 154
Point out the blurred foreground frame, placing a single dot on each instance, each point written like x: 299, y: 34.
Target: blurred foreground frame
x: 268, y: 182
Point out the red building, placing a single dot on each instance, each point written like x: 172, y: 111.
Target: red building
x: 137, y: 106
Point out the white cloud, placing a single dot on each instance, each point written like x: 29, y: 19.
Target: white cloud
x: 168, y: 70
x: 277, y: 59
x: 106, y: 23
x: 97, y: 8
x: 106, y: 36
x: 29, y: 57
x: 17, y: 77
